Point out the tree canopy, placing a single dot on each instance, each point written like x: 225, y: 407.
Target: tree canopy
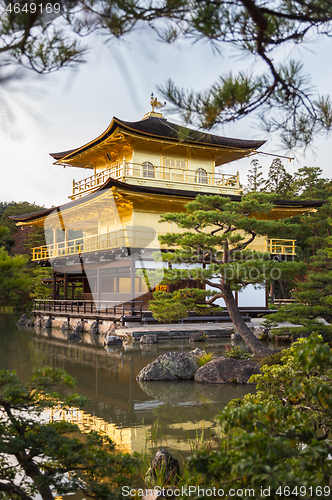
x: 215, y: 245
x: 278, y: 92
x: 277, y: 440
x: 49, y: 457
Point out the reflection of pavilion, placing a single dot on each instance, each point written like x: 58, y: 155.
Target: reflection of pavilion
x: 121, y: 408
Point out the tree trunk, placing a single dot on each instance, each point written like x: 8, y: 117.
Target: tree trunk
x: 32, y: 470
x: 283, y: 288
x: 250, y: 339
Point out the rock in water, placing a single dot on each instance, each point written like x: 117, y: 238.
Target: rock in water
x: 74, y: 336
x: 198, y: 337
x: 94, y: 328
x: 171, y: 366
x: 79, y: 328
x: 65, y: 327
x: 31, y: 321
x: 226, y: 371
x: 113, y: 340
x: 260, y: 332
x: 39, y: 322
x: 48, y: 322
x: 149, y: 339
x: 23, y: 320
x: 163, y: 463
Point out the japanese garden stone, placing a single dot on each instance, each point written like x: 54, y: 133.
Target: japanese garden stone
x: 163, y: 462
x: 65, y: 326
x: 260, y: 332
x: 48, y: 322
x: 149, y: 339
x: 171, y: 366
x: 31, y: 321
x: 198, y: 337
x: 80, y: 327
x: 94, y: 328
x: 74, y: 336
x: 23, y: 320
x: 39, y: 322
x: 226, y: 370
x: 113, y: 340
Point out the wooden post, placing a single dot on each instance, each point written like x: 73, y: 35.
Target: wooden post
x: 55, y: 239
x: 132, y: 278
x: 65, y: 285
x: 124, y: 167
x: 54, y: 286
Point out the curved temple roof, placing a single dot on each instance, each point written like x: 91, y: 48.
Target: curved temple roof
x: 162, y: 129
x: 26, y: 218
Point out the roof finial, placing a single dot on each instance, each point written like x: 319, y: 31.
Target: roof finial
x: 155, y: 103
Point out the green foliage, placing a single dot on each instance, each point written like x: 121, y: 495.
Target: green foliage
x: 236, y: 353
x: 279, y: 181
x: 223, y: 249
x: 20, y: 240
x: 278, y: 437
x: 309, y: 184
x: 218, y: 232
x: 313, y: 299
x: 273, y: 359
x: 255, y: 180
x: 15, y: 281
x: 53, y: 457
x: 254, y: 29
x: 171, y: 307
x: 205, y: 358
x: 40, y: 290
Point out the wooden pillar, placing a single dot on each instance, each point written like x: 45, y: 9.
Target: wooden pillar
x: 65, y: 284
x: 54, y: 286
x: 54, y: 246
x: 132, y: 282
x: 98, y: 285
x: 66, y: 241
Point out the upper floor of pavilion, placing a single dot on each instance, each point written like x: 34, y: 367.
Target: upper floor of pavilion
x: 157, y: 153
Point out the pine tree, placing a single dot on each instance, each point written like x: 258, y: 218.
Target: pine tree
x: 14, y: 278
x: 255, y: 179
x: 219, y: 232
x: 313, y: 295
x: 309, y: 184
x: 279, y: 181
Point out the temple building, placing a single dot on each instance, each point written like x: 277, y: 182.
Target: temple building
x: 105, y: 238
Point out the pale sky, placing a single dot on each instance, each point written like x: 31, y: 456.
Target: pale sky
x: 68, y: 109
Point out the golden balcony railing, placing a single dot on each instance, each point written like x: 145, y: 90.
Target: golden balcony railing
x: 133, y: 238
x: 149, y: 172
x: 276, y: 246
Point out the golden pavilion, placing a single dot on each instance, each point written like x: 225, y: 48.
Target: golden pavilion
x: 105, y: 237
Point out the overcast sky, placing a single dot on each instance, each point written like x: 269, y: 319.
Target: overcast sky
x: 67, y: 109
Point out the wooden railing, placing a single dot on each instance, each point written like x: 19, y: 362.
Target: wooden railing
x: 89, y: 307
x: 277, y: 247
x: 115, y: 239
x: 157, y: 172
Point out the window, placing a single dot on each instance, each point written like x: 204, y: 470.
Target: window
x: 148, y: 169
x: 175, y: 163
x: 201, y: 176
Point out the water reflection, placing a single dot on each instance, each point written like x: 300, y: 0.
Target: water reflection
x: 128, y: 411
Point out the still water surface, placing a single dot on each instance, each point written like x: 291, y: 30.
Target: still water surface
x: 134, y: 415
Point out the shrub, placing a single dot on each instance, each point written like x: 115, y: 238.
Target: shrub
x: 205, y: 358
x: 236, y: 353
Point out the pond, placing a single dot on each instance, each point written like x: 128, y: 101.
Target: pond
x: 136, y: 416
